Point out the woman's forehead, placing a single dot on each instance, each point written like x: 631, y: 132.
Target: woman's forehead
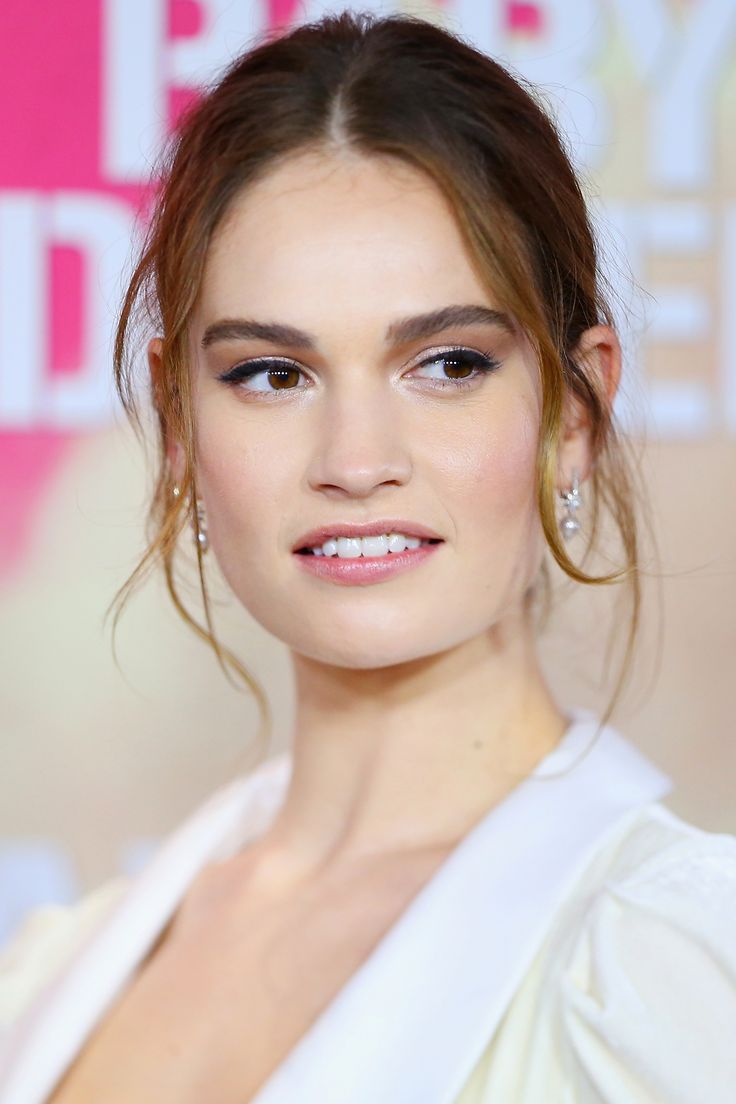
x: 338, y: 173
x: 351, y: 228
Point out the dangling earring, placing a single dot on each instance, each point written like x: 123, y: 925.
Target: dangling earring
x: 200, y: 528
x: 199, y: 523
x: 569, y: 524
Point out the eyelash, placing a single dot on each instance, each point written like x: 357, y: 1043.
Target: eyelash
x: 484, y: 364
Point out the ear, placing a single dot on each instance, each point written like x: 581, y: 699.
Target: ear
x: 174, y: 450
x: 598, y: 353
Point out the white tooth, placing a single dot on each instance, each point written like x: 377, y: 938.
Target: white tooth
x: 375, y: 546
x: 348, y: 548
x: 396, y: 542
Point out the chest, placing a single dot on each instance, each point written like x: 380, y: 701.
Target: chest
x: 218, y: 1006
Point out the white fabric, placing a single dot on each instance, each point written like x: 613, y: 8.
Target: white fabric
x: 579, y: 945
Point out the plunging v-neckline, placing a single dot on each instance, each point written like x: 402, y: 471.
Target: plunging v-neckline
x: 427, y: 973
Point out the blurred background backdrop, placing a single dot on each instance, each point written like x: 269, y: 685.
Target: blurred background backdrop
x: 98, y: 762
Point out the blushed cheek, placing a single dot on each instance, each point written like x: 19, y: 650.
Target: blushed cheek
x: 238, y: 482
x: 507, y: 530
x: 513, y: 463
x: 494, y: 471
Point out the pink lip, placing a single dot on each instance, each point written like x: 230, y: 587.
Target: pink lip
x: 363, y: 570
x: 315, y: 537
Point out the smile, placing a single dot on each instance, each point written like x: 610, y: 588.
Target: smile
x: 358, y: 565
x: 347, y: 548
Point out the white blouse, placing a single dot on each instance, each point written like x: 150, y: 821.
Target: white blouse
x: 578, y: 946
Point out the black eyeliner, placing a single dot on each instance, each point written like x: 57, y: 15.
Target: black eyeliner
x: 482, y: 362
x: 250, y: 368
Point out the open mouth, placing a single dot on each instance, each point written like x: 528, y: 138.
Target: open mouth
x: 362, y: 555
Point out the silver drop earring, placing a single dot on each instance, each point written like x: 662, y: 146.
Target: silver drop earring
x: 569, y: 524
x: 200, y: 528
x: 199, y: 523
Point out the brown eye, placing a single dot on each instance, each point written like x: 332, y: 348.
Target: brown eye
x: 455, y: 364
x: 282, y: 378
x: 268, y: 375
x: 459, y: 367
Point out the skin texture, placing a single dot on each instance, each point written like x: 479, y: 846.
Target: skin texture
x: 419, y: 700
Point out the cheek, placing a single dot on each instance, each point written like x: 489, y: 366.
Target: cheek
x: 494, y: 472
x: 499, y: 533
x: 242, y: 479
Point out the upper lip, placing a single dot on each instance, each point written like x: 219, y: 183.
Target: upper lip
x: 315, y: 537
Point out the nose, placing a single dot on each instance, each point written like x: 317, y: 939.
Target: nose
x: 359, y: 446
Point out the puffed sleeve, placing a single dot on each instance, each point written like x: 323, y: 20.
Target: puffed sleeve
x: 44, y: 942
x: 648, y: 992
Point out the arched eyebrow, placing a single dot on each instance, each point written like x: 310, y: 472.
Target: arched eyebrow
x: 413, y: 328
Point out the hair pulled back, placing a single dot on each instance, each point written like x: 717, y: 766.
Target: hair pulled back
x: 402, y: 87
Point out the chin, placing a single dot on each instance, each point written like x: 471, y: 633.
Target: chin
x: 360, y: 650
x: 371, y: 656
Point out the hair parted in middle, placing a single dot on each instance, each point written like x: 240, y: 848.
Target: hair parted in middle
x: 386, y: 87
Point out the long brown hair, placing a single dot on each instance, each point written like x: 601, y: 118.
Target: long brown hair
x: 401, y: 87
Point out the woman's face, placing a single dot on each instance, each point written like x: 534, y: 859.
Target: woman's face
x: 358, y: 427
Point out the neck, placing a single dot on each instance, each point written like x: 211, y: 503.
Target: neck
x: 410, y: 757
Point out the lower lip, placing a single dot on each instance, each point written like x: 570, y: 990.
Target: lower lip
x: 362, y: 570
